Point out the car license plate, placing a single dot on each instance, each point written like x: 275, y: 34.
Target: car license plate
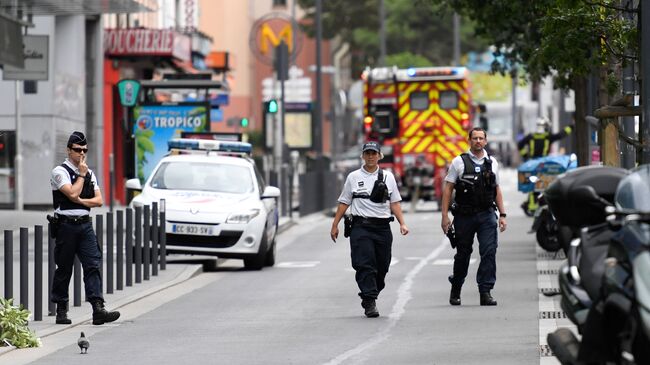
x: 194, y: 229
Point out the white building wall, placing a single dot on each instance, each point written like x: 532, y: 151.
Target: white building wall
x: 58, y: 108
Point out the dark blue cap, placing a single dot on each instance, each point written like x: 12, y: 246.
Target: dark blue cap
x: 371, y: 146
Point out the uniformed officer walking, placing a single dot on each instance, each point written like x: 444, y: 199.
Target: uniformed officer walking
x: 373, y: 197
x: 475, y: 178
x: 74, y: 191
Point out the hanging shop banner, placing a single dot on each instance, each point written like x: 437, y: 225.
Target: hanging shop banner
x: 35, y: 56
x: 157, y: 124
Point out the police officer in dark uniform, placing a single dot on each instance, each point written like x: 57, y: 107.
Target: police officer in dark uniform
x: 74, y: 191
x: 475, y: 178
x: 373, y: 197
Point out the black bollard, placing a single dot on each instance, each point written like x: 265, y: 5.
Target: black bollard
x: 76, y: 284
x: 109, y: 253
x: 119, y: 241
x: 138, y: 245
x: 129, y: 247
x: 9, y: 264
x: 163, y: 236
x: 146, y: 229
x: 24, y: 267
x: 38, y: 273
x: 154, y: 239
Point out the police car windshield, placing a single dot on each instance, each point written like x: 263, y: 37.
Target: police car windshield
x: 185, y: 175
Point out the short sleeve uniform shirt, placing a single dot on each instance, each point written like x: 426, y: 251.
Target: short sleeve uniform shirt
x: 361, y: 182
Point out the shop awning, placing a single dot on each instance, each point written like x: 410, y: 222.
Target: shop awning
x: 184, y: 66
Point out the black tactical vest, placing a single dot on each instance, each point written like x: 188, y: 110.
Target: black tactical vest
x: 476, y: 188
x: 59, y: 200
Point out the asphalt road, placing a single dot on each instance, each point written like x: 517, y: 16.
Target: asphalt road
x: 305, y: 310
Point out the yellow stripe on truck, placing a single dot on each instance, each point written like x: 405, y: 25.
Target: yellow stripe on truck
x: 408, y: 147
x: 426, y: 141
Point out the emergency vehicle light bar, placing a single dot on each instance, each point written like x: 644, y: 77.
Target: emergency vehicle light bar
x: 442, y: 71
x: 209, y: 145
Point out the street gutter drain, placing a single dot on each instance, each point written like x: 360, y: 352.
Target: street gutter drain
x: 552, y: 315
x: 559, y: 255
x: 548, y: 272
x: 549, y: 290
x: 545, y: 351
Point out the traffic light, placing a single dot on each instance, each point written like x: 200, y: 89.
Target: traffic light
x: 244, y: 122
x: 271, y: 106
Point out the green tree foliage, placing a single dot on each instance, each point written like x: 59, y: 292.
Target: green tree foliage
x: 416, y: 31
x: 407, y: 59
x: 13, y: 326
x: 562, y: 38
x: 566, y: 39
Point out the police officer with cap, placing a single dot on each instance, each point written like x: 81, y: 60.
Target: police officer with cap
x: 74, y: 191
x: 474, y: 176
x: 373, y: 197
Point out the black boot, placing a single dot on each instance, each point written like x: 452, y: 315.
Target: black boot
x: 62, y: 313
x: 370, y: 308
x: 486, y: 299
x: 454, y: 296
x: 101, y: 315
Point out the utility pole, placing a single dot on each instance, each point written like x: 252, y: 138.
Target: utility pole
x: 318, y: 125
x: 18, y: 159
x: 456, y: 39
x: 644, y: 127
x: 382, y: 34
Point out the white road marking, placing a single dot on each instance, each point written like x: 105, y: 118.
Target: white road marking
x: 403, y: 297
x: 450, y: 261
x: 297, y: 264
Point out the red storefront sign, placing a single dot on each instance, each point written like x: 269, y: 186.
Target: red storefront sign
x: 147, y: 42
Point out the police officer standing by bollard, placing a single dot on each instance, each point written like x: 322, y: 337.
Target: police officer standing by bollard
x: 474, y: 176
x: 373, y: 197
x: 74, y: 191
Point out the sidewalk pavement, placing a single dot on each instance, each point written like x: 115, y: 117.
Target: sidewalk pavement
x: 179, y: 269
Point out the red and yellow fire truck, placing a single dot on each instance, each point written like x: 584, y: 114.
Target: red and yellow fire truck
x: 422, y: 117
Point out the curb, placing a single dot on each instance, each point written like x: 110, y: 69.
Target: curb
x: 187, y: 273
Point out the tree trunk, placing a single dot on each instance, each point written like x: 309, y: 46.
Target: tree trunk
x: 582, y: 129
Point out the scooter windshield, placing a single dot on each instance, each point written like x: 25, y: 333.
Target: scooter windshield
x: 633, y: 192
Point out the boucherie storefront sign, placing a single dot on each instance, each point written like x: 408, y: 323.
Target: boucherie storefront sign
x: 147, y: 42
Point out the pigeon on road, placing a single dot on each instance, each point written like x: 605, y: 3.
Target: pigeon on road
x: 83, y: 343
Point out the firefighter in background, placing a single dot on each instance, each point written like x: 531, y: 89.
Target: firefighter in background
x: 535, y: 145
x: 538, y: 144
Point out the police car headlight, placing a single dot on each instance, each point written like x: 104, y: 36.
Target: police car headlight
x: 243, y: 217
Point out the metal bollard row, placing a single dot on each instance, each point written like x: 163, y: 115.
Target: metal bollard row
x: 147, y: 254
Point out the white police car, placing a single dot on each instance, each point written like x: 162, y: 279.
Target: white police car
x: 216, y: 201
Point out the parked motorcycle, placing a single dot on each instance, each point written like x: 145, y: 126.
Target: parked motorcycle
x: 550, y: 235
x: 537, y: 174
x: 605, y: 284
x: 540, y: 173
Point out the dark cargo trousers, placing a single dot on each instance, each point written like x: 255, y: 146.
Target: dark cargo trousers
x: 370, y: 250
x: 80, y: 240
x: 484, y: 225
